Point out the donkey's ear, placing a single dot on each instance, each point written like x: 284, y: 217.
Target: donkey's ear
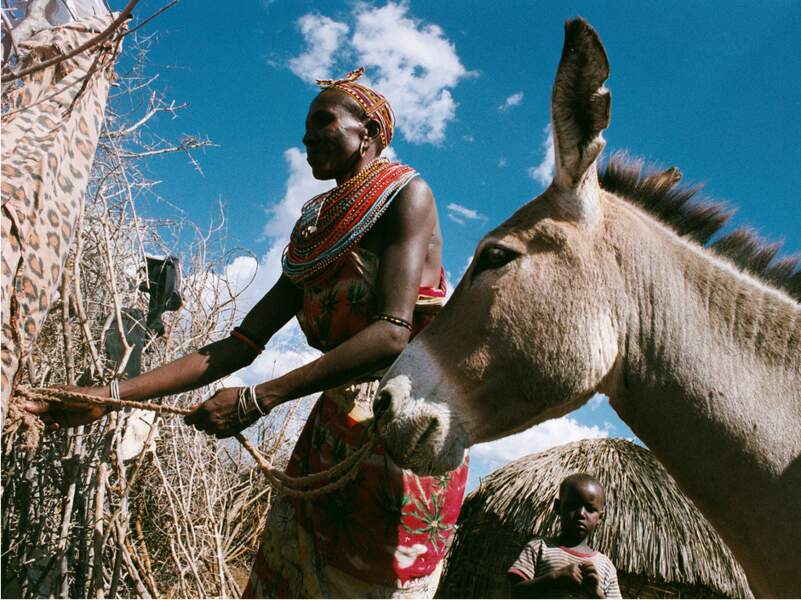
x: 580, y: 106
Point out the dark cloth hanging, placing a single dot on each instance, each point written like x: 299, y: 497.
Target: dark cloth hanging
x: 133, y: 322
x: 164, y: 286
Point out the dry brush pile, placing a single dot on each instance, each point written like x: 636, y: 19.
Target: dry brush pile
x: 132, y: 505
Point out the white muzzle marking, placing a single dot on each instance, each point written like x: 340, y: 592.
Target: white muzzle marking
x: 421, y: 431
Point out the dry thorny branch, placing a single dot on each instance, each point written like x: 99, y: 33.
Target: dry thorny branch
x: 132, y: 506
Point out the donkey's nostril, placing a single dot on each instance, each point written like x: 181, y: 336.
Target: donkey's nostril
x: 381, y: 403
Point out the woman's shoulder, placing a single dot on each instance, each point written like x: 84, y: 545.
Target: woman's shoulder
x: 413, y: 203
x: 416, y: 195
x: 417, y: 185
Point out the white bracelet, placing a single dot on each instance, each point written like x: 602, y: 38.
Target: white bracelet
x: 252, y: 392
x: 241, y: 404
x: 114, y: 389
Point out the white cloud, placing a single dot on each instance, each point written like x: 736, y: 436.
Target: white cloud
x: 250, y: 278
x: 411, y: 62
x: 288, y: 348
x: 546, y: 435
x: 390, y: 154
x: 544, y: 172
x: 513, y: 100
x: 323, y: 37
x: 596, y: 401
x: 461, y: 214
x: 300, y: 187
x: 289, y: 351
x: 417, y: 67
x: 502, y: 162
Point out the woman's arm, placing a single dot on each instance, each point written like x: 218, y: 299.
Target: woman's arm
x: 409, y: 224
x: 221, y: 358
x: 194, y: 370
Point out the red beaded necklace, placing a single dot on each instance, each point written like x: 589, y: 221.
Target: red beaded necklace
x: 332, y: 223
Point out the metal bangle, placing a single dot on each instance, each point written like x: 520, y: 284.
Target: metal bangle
x: 252, y: 392
x: 114, y: 389
x: 241, y: 405
x: 392, y: 319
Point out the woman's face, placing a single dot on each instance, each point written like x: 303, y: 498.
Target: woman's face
x: 333, y: 135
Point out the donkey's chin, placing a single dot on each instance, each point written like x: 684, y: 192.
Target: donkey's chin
x: 425, y: 440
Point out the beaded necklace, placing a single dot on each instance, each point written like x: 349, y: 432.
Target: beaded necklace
x: 332, y: 223
x: 334, y: 196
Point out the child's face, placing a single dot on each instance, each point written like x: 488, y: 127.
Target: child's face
x: 581, y: 508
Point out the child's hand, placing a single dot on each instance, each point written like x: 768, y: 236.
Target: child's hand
x: 591, y: 581
x: 569, y: 575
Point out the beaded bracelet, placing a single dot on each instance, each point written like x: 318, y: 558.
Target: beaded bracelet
x: 392, y: 319
x: 241, y: 405
x: 239, y: 334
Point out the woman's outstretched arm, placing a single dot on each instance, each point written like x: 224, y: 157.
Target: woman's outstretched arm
x: 208, y: 364
x: 221, y: 358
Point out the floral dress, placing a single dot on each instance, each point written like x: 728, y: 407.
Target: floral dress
x: 385, y: 533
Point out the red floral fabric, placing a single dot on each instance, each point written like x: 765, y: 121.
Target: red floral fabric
x: 388, y: 527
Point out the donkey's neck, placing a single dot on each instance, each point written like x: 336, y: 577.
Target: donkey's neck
x: 684, y: 303
x: 710, y: 380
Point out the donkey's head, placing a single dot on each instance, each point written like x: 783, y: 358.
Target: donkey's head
x: 532, y: 330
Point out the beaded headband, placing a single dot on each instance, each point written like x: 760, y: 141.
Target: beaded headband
x: 375, y: 105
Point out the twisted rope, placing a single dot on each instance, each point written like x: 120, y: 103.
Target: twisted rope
x: 306, y: 486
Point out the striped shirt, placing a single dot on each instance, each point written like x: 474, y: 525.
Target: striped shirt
x: 542, y: 556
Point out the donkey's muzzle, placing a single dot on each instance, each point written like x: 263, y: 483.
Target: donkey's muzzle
x: 418, y: 434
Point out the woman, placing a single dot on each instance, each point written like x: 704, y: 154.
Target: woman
x: 362, y: 273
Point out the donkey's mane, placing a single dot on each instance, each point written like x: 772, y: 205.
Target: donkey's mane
x: 699, y: 219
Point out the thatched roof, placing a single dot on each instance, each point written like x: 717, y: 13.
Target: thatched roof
x: 654, y: 535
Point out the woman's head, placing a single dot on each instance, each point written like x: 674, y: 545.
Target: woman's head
x: 348, y: 125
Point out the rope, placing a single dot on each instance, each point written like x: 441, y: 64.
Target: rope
x: 307, y: 486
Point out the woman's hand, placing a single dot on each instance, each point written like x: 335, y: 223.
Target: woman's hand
x: 221, y: 416
x: 70, y: 413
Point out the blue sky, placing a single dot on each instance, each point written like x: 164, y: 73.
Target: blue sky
x: 712, y: 88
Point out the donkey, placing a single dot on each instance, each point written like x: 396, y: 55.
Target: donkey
x: 603, y: 284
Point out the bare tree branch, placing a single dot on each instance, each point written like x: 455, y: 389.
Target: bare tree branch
x: 100, y: 37
x: 180, y: 514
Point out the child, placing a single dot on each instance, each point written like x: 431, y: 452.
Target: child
x: 566, y: 567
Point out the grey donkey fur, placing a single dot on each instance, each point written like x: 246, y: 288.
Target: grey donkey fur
x: 607, y: 287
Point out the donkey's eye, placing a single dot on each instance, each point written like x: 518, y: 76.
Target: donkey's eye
x: 493, y: 257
